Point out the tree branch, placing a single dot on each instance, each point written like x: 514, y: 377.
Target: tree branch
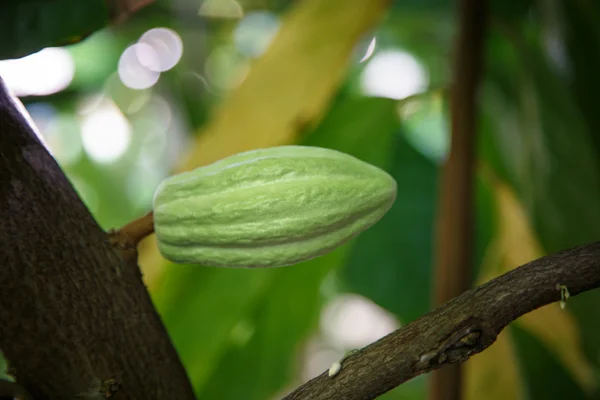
x: 121, y: 10
x: 459, y: 329
x: 455, y: 229
x: 75, y: 321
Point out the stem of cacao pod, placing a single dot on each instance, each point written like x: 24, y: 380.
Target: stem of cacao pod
x: 126, y: 239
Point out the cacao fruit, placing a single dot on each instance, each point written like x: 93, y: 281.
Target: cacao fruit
x: 269, y: 207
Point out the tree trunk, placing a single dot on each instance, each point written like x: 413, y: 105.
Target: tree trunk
x: 76, y: 322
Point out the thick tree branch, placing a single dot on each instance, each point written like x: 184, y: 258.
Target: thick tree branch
x: 455, y: 229
x: 76, y: 322
x: 459, y: 329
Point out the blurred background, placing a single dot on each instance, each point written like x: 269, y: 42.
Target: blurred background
x: 183, y: 83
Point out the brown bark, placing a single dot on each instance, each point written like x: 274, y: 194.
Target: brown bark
x: 459, y: 329
x: 121, y: 10
x: 76, y: 321
x: 455, y: 229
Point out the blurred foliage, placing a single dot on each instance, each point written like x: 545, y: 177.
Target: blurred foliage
x: 256, y: 334
x: 30, y: 25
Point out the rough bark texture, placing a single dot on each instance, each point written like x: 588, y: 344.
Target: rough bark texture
x: 76, y: 322
x: 459, y: 329
x: 455, y: 224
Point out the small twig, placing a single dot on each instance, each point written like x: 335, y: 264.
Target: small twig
x: 126, y: 239
x: 121, y: 10
x: 457, y: 330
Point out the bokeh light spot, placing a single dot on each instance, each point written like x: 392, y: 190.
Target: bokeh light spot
x: 319, y: 357
x: 255, y: 32
x: 393, y: 74
x: 226, y: 68
x: 141, y: 185
x: 147, y: 57
x: 127, y: 99
x: 63, y: 135
x: 132, y: 72
x: 106, y: 133
x: 353, y: 321
x: 426, y: 126
x: 167, y: 49
x: 40, y: 74
x: 229, y: 9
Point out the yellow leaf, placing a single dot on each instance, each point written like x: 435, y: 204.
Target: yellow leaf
x: 493, y: 374
x: 514, y: 245
x: 290, y: 86
x: 555, y: 327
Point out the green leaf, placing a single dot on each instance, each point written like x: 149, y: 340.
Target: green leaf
x: 287, y: 313
x: 415, y: 389
x: 511, y: 10
x: 361, y: 126
x: 391, y: 262
x: 28, y: 26
x: 548, y: 151
x: 544, y: 375
x: 201, y: 306
x: 4, y: 369
x: 581, y: 36
x: 587, y: 314
x: 444, y: 6
x: 548, y: 146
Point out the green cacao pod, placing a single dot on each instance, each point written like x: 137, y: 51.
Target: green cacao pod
x: 269, y: 207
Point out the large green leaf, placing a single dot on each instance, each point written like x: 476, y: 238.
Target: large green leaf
x: 201, y: 307
x: 361, y: 126
x: 392, y: 262
x: 581, y: 33
x: 286, y: 314
x: 565, y: 192
x: 545, y: 377
x: 548, y: 145
x: 30, y: 25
